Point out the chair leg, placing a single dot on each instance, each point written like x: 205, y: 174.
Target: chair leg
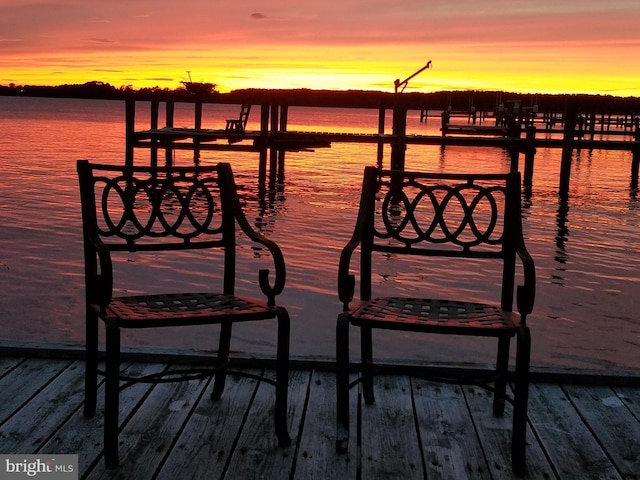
x: 282, y: 377
x: 521, y: 399
x: 112, y: 397
x: 502, y: 371
x: 223, y: 359
x: 342, y: 383
x: 366, y: 349
x: 91, y: 364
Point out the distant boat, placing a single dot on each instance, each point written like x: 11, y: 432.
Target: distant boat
x: 199, y: 87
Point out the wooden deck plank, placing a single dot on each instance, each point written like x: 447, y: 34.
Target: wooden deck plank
x: 206, y: 444
x: 631, y: 399
x: 571, y: 447
x: 150, y: 432
x: 495, y: 436
x: 53, y: 405
x: 449, y: 444
x: 15, y: 391
x: 257, y: 449
x: 7, y: 364
x: 611, y: 423
x: 389, y: 437
x: 85, y: 435
x: 317, y: 443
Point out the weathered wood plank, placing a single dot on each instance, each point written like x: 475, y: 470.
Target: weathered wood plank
x: 317, y: 456
x: 21, y: 383
x: 257, y: 453
x: 389, y: 436
x: 612, y: 423
x: 35, y: 421
x: 571, y: 447
x: 631, y: 399
x: 495, y: 436
x: 7, y: 364
x: 206, y: 443
x: 150, y: 432
x: 84, y: 436
x: 450, y: 446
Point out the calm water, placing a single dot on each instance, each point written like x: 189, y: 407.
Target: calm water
x: 587, y: 256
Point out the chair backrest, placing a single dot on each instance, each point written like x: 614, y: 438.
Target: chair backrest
x: 245, y: 109
x: 157, y: 208
x: 439, y: 214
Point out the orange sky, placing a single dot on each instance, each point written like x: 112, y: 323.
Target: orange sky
x: 546, y: 46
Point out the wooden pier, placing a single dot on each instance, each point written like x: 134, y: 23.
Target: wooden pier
x: 579, y: 427
x: 519, y: 132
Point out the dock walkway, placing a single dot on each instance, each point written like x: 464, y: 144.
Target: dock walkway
x: 416, y: 429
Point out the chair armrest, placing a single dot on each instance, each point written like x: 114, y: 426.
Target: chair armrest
x: 228, y: 188
x: 525, y: 294
x: 271, y: 290
x: 346, y: 280
x: 104, y: 278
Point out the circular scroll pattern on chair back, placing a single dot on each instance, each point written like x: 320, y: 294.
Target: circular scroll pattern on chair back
x: 182, y: 207
x: 463, y: 214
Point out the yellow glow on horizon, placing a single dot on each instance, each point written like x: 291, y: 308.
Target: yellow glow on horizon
x: 592, y: 69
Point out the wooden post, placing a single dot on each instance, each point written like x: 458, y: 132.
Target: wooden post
x: 444, y: 122
x: 567, y: 148
x: 264, y: 143
x: 635, y: 162
x: 399, y: 145
x: 528, y: 158
x: 273, y: 152
x: 284, y: 118
x: 169, y: 115
x: 130, y: 128
x: 514, y: 136
x: 155, y: 105
x: 197, y: 125
x: 381, y: 119
x: 592, y: 125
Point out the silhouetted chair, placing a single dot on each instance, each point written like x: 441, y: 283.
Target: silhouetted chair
x: 156, y: 209
x: 238, y: 125
x: 457, y: 216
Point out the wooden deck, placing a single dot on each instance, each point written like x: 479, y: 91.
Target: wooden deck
x: 416, y: 429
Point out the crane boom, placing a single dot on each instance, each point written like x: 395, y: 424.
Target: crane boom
x: 404, y: 82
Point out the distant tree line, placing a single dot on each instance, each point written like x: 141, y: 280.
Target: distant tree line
x: 456, y: 100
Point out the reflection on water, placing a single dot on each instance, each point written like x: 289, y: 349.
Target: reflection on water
x: 585, y: 249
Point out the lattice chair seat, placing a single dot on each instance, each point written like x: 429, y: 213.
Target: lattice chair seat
x: 172, y: 309
x: 426, y: 314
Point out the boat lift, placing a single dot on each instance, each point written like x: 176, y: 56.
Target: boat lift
x: 404, y: 82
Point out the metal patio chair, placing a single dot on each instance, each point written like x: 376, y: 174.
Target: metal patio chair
x: 165, y: 210
x: 456, y: 216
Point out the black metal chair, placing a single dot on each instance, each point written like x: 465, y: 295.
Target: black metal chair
x: 452, y: 215
x: 166, y: 209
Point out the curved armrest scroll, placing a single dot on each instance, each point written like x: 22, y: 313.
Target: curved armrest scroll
x: 525, y: 294
x: 346, y: 280
x: 104, y: 278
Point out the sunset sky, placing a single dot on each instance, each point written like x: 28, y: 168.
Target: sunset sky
x: 544, y: 46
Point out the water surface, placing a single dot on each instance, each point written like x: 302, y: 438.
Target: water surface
x: 586, y: 253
